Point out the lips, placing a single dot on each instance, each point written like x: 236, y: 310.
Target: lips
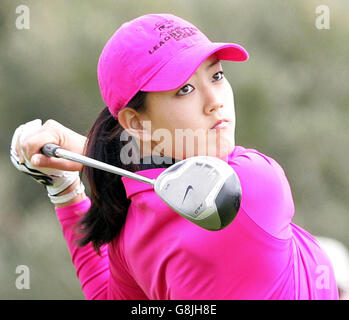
x: 220, y: 124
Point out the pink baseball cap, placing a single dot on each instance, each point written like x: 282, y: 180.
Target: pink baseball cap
x: 155, y: 52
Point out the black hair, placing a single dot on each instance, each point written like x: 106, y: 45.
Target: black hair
x: 109, y: 207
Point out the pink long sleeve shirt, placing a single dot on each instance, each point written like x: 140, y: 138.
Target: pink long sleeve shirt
x: 160, y: 255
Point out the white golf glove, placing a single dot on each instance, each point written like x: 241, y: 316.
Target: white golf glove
x: 54, y: 180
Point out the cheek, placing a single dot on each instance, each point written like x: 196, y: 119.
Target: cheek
x: 181, y: 116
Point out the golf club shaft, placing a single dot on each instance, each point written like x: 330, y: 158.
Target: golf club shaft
x: 53, y: 150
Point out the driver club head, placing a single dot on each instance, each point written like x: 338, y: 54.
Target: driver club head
x: 204, y: 190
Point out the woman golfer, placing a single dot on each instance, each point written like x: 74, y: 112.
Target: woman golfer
x: 159, y: 72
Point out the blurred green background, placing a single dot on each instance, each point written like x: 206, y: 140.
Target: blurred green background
x: 291, y: 98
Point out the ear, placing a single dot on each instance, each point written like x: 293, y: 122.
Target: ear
x: 134, y: 124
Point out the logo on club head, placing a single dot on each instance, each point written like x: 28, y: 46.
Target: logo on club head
x: 186, y: 192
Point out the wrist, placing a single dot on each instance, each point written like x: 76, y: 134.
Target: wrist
x: 76, y: 199
x: 62, y: 180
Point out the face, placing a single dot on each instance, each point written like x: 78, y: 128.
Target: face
x: 196, y: 119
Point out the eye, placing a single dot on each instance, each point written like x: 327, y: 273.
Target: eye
x: 185, y: 90
x: 218, y: 76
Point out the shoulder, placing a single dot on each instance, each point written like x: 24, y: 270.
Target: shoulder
x: 255, y: 162
x: 266, y: 194
x: 249, y: 153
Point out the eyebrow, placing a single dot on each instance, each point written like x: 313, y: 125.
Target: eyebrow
x: 212, y: 64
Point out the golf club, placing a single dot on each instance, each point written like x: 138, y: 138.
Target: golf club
x: 204, y: 190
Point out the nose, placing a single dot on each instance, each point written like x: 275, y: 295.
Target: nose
x: 213, y: 101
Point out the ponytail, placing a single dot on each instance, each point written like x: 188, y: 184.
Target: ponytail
x: 109, y: 205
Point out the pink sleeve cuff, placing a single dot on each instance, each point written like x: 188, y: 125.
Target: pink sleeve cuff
x: 74, y: 209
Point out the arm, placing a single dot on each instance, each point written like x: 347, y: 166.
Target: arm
x: 92, y: 269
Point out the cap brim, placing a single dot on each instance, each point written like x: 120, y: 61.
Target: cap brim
x: 182, y: 66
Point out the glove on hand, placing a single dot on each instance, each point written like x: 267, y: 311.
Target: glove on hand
x: 54, y: 180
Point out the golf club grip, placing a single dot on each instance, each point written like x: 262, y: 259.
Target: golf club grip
x: 49, y: 149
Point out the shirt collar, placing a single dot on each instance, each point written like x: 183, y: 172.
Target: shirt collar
x: 150, y: 167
